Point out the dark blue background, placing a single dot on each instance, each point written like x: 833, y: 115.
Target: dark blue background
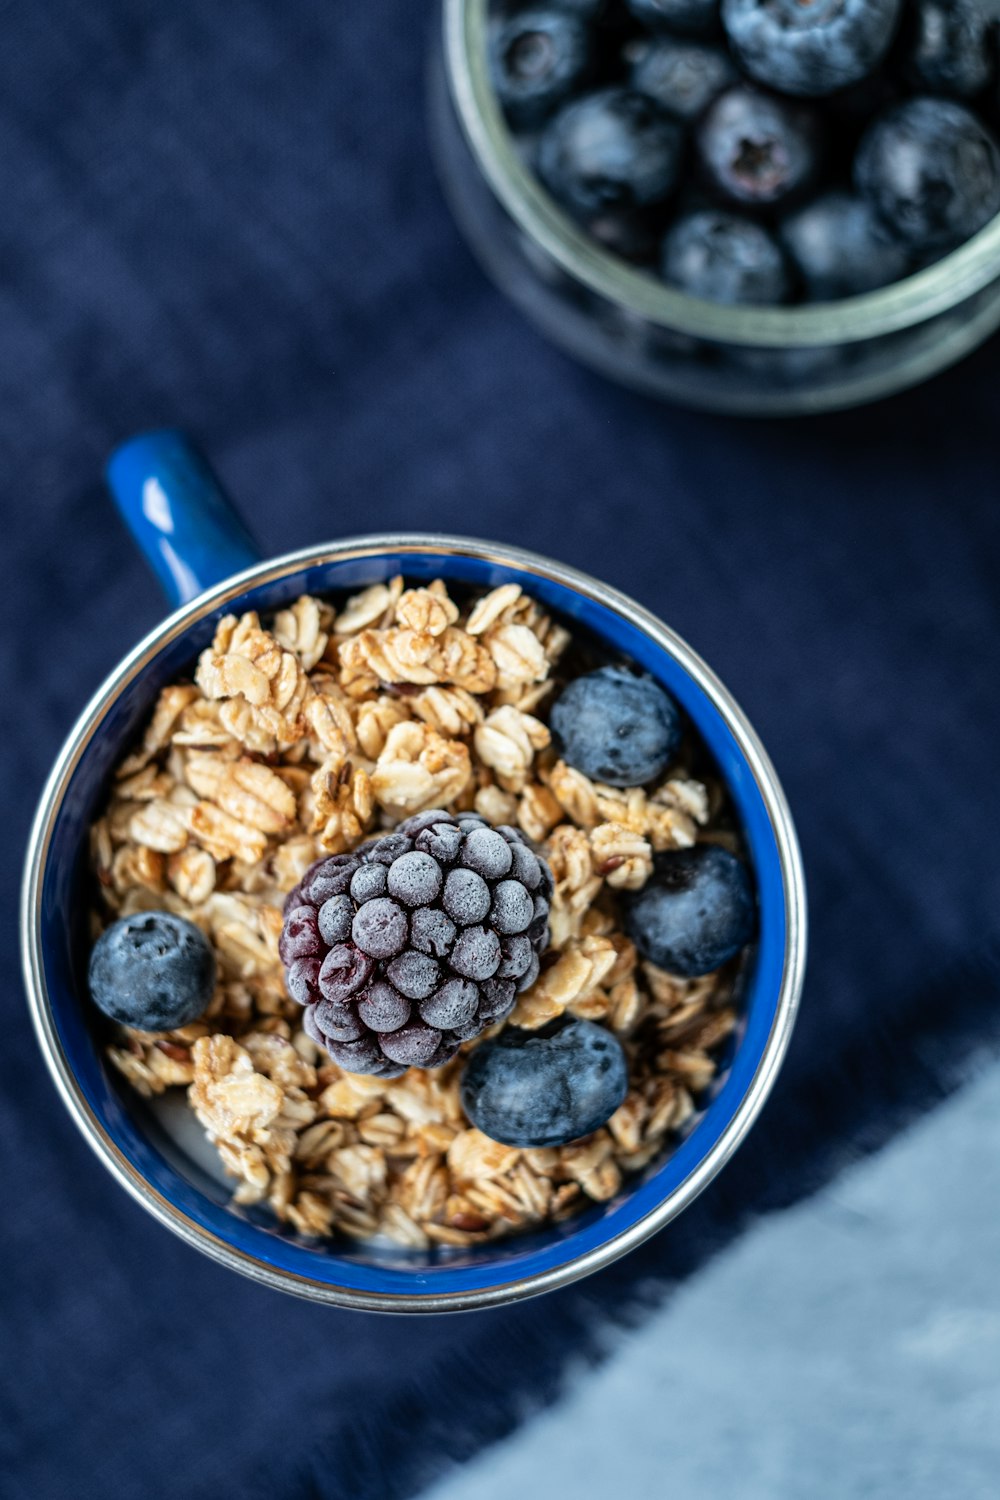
x: 226, y: 218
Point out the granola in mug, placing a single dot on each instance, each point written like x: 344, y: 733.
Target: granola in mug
x: 303, y: 738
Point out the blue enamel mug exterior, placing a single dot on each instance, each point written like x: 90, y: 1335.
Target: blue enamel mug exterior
x: 201, y: 552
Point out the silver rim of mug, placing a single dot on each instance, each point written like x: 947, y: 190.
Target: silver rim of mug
x: 205, y: 1240
x: 937, y: 289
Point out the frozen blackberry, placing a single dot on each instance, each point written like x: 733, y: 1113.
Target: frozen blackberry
x: 416, y: 942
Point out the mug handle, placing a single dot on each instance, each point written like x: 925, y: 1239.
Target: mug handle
x: 177, y: 512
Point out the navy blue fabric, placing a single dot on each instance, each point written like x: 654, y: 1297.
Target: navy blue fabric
x: 226, y: 218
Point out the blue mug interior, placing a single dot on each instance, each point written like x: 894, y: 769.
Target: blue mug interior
x: 361, y: 1268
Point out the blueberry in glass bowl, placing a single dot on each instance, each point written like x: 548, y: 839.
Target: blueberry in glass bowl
x: 810, y: 47
x: 758, y: 149
x: 612, y: 149
x: 930, y: 170
x: 722, y: 257
x: 537, y: 58
x: 857, y: 142
x: 675, y: 16
x: 949, y: 47
x: 683, y: 76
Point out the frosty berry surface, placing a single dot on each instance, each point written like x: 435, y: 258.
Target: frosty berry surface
x: 416, y: 943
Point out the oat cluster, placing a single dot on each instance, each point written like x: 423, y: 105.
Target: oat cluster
x: 304, y: 738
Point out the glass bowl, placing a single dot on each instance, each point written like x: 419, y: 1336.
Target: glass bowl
x: 773, y: 361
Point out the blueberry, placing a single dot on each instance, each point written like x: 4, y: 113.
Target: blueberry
x: 949, y: 46
x: 932, y: 172
x: 676, y: 15
x: 614, y: 149
x: 683, y: 77
x: 537, y: 58
x: 841, y: 248
x: 153, y: 971
x: 528, y: 1090
x: 724, y: 258
x: 696, y: 913
x: 615, y: 727
x: 756, y: 149
x: 810, y: 47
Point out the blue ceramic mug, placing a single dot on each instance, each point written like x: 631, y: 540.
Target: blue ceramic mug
x: 209, y: 566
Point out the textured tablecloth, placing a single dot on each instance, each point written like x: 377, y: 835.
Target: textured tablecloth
x: 226, y: 218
